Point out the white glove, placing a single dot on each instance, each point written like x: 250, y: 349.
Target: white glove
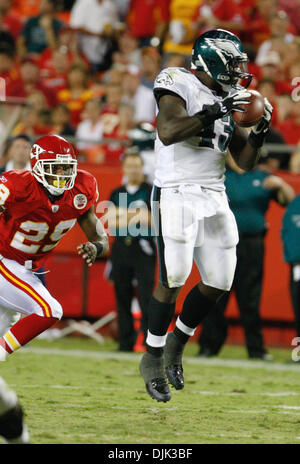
x: 263, y: 125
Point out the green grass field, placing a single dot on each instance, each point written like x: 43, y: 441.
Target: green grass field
x: 76, y: 391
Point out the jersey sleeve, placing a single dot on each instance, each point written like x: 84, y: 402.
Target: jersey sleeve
x: 88, y: 187
x: 170, y: 81
x: 7, y: 190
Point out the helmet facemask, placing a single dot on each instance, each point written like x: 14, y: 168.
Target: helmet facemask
x: 45, y: 170
x: 238, y: 70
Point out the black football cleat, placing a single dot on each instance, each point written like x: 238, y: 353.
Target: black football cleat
x: 152, y: 371
x: 175, y: 376
x: 173, y: 361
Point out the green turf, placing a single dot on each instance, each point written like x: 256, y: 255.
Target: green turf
x: 76, y: 391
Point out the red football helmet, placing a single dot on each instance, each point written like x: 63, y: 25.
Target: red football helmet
x: 53, y: 157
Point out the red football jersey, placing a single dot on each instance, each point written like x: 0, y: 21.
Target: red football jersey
x: 31, y: 225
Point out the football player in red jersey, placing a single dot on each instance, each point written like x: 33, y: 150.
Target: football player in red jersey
x: 37, y: 208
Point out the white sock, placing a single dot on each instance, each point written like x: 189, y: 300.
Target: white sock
x: 157, y: 341
x: 184, y: 328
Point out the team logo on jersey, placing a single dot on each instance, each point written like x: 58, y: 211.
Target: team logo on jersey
x: 55, y: 208
x: 3, y: 179
x: 165, y: 78
x: 36, y: 151
x: 80, y: 201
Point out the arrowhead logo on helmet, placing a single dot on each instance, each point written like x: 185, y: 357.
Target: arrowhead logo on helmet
x: 54, y: 163
x: 36, y: 150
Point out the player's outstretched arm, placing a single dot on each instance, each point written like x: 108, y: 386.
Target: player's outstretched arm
x: 98, y: 241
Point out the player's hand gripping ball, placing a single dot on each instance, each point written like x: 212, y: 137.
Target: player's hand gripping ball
x: 88, y: 251
x: 253, y: 111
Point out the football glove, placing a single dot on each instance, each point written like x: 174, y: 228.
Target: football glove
x: 233, y: 102
x: 224, y: 107
x: 261, y: 129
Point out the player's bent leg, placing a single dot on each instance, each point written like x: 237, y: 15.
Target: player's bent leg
x: 7, y: 319
x: 21, y: 290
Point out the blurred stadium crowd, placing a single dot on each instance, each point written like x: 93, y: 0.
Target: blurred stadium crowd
x: 85, y: 68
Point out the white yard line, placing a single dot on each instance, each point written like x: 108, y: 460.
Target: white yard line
x: 220, y: 362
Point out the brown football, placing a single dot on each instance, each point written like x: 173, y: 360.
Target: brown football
x: 254, y: 111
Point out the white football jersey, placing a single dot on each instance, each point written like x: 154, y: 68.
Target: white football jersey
x: 199, y: 159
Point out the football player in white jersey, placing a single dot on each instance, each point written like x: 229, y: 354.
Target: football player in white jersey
x: 192, y: 218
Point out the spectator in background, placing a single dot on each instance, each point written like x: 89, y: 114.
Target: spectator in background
x: 151, y: 65
x: 26, y: 9
x: 290, y: 128
x: 224, y: 14
x: 8, y: 69
x: 148, y: 19
x: 77, y: 93
x: 249, y: 194
x: 10, y: 22
x: 271, y: 69
x: 55, y: 76
x: 181, y: 32
x: 133, y: 251
x: 37, y: 100
x: 284, y: 107
x: 140, y: 96
x: 95, y: 21
x: 67, y: 44
x: 29, y: 82
x: 258, y: 27
x: 290, y: 235
x: 40, y: 31
x: 110, y: 110
x: 292, y: 8
x: 114, y: 150
x: 90, y: 130
x: 128, y: 50
x: 280, y: 37
x: 32, y: 124
x: 6, y: 39
x: 17, y: 154
x: 291, y: 56
x: 60, y: 118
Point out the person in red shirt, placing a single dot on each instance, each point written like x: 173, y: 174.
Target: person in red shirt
x: 110, y: 110
x: 8, y: 69
x: 114, y: 150
x: 68, y: 45
x: 55, y: 76
x: 224, y: 14
x: 30, y: 81
x: 148, y: 18
x: 290, y: 127
x: 10, y: 21
x: 38, y: 208
x: 258, y: 28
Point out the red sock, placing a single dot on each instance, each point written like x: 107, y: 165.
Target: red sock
x: 25, y: 330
